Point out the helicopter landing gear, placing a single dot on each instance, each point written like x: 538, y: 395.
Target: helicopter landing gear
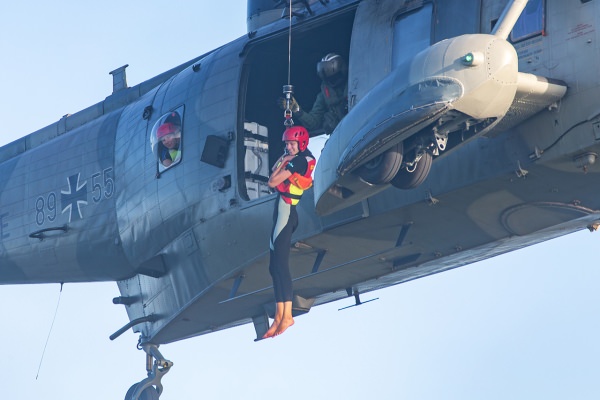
x: 414, y: 173
x: 157, y: 366
x: 382, y: 169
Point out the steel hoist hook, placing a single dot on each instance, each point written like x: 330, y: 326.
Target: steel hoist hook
x: 288, y: 92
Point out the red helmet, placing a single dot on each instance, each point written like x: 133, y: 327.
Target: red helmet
x: 297, y: 133
x: 165, y: 129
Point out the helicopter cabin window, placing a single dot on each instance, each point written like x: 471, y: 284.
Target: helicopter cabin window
x: 531, y: 22
x: 165, y: 139
x: 412, y: 34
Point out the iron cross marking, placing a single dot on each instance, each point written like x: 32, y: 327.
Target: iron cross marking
x: 74, y: 197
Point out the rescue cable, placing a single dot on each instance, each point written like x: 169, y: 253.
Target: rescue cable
x: 288, y: 90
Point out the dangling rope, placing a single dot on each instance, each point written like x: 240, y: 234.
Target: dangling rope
x: 288, y: 90
x: 290, y: 47
x: 51, y: 326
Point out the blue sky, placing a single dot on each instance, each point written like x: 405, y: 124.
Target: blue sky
x: 519, y: 326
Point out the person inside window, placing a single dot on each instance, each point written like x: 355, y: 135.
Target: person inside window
x: 169, y: 140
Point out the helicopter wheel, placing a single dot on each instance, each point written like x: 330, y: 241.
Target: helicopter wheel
x: 149, y: 393
x: 405, y: 179
x: 383, y: 168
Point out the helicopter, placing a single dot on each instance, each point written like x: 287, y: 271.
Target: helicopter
x: 404, y: 110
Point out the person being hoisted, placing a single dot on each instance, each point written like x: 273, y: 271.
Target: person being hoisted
x: 291, y: 176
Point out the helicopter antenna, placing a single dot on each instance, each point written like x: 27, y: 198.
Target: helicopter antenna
x: 288, y: 90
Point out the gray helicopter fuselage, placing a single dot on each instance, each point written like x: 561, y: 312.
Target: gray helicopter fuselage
x: 89, y: 199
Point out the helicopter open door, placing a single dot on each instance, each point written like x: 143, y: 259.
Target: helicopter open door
x: 264, y: 74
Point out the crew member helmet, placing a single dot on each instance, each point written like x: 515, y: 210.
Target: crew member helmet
x: 332, y: 69
x: 166, y: 129
x: 297, y: 133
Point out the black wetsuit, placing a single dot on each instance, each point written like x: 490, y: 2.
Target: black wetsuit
x: 285, y: 217
x: 285, y: 222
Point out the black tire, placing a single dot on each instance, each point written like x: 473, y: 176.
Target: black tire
x: 149, y: 393
x: 410, y: 180
x: 383, y: 168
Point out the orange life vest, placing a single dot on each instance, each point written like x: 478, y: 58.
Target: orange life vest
x: 292, y: 188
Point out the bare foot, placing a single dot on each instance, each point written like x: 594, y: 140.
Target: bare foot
x: 283, y: 325
x: 271, y: 332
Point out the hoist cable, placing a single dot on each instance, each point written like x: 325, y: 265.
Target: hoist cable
x: 290, y: 46
x: 288, y: 90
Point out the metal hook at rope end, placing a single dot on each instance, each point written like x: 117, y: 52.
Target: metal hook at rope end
x: 289, y: 122
x: 288, y: 91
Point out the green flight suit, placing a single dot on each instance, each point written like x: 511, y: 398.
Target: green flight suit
x: 330, y: 106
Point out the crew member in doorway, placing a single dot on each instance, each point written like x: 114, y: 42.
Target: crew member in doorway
x: 331, y: 103
x: 291, y: 176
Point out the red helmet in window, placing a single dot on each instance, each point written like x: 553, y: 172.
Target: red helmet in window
x: 297, y: 133
x: 166, y: 129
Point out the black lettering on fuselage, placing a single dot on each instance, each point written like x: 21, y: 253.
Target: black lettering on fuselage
x: 2, y: 226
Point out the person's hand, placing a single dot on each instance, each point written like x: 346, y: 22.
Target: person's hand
x: 282, y: 162
x: 278, y: 163
x: 294, y: 106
